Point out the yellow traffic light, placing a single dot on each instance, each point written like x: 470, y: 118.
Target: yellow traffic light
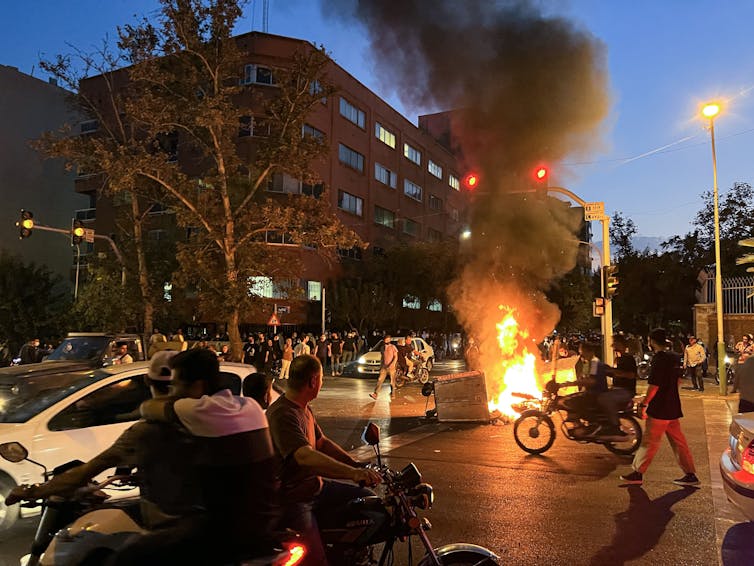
x: 77, y: 232
x: 25, y: 224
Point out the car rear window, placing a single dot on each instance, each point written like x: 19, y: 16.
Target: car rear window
x: 26, y: 398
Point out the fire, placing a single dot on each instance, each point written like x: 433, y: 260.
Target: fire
x: 516, y: 370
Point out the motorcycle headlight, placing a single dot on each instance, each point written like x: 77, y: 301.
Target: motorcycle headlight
x: 422, y: 496
x: 362, y: 360
x: 646, y: 357
x: 727, y: 360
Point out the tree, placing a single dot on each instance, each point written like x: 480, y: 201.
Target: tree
x: 622, y: 232
x: 571, y: 293
x: 103, y: 304
x: 361, y: 304
x: 179, y: 104
x: 34, y: 302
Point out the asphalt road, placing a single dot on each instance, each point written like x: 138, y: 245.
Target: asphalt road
x: 565, y: 507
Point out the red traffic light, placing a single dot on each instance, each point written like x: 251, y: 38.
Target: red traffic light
x: 540, y: 174
x: 471, y: 181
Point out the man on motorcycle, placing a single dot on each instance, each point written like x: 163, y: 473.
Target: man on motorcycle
x: 170, y: 497
x: 309, y: 461
x: 624, y: 387
x: 234, y: 458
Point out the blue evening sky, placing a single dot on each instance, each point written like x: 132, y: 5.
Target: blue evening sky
x: 664, y: 58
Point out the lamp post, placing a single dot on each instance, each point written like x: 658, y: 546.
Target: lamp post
x: 710, y: 111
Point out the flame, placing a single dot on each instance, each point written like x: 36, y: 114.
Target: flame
x: 516, y: 370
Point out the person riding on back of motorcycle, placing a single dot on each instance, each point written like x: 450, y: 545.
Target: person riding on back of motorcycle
x: 170, y: 500
x: 234, y: 457
x: 593, y: 379
x: 624, y: 376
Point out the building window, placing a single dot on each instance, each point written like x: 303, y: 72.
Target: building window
x: 88, y: 126
x: 351, y: 113
x: 283, y: 183
x: 410, y: 227
x: 434, y: 305
x: 350, y: 203
x: 311, y: 131
x: 267, y: 288
x: 314, y: 290
x: 384, y: 135
x: 244, y: 126
x: 350, y: 158
x: 435, y: 203
x: 384, y: 217
x: 315, y: 88
x: 257, y: 74
x: 411, y: 302
x: 434, y: 169
x: 385, y: 176
x: 434, y: 235
x: 351, y: 253
x: 253, y: 126
x: 454, y: 182
x: 312, y: 189
x: 86, y: 214
x: 412, y: 190
x: 412, y: 154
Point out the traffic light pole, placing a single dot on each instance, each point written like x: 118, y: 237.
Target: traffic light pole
x: 109, y: 240
x: 606, y: 319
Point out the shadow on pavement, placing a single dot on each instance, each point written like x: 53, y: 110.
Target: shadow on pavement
x: 738, y: 548
x: 639, y: 528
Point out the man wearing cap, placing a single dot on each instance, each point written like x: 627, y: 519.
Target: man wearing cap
x: 170, y: 499
x: 663, y: 413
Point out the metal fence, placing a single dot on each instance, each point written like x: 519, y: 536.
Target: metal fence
x: 737, y: 293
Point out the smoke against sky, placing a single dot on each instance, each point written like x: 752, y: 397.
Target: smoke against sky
x: 526, y: 89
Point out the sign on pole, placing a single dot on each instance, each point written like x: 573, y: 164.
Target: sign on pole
x: 274, y: 320
x: 89, y: 235
x: 594, y: 211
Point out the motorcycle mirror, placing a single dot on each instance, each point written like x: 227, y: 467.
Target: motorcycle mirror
x: 13, y: 452
x: 371, y: 434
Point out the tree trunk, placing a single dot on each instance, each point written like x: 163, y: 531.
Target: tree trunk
x: 234, y: 335
x: 146, y: 295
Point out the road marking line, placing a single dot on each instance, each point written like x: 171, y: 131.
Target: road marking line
x: 398, y: 441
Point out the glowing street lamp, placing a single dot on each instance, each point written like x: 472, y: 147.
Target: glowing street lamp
x: 710, y: 112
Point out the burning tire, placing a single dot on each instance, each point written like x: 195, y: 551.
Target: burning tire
x: 632, y: 428
x: 534, y: 432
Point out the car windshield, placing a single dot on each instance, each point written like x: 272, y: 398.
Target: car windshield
x: 380, y: 346
x: 28, y: 397
x: 80, y: 348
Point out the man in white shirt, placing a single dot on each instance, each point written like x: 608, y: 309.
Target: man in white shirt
x: 389, y: 363
x: 693, y: 358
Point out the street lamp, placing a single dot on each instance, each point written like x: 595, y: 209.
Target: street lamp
x: 710, y: 111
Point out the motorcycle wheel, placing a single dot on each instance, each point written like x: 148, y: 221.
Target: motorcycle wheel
x: 643, y: 370
x: 423, y: 376
x: 632, y: 428
x: 465, y: 558
x: 534, y: 432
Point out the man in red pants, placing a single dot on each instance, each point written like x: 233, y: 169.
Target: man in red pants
x: 663, y: 415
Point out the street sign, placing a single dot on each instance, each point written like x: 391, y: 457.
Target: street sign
x: 594, y: 211
x: 89, y: 235
x: 274, y: 320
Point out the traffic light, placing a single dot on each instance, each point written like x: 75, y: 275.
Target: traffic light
x: 77, y: 232
x: 25, y: 224
x: 610, y: 278
x: 471, y: 181
x: 541, y: 174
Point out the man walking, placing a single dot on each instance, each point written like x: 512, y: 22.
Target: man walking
x: 389, y: 363
x: 663, y: 413
x: 693, y: 359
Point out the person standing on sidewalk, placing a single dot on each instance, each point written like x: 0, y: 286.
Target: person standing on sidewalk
x: 693, y: 359
x: 663, y: 414
x: 389, y: 363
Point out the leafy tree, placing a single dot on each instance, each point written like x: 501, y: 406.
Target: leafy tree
x: 103, y: 304
x: 622, y: 232
x: 361, y: 304
x: 172, y: 137
x: 571, y: 293
x: 34, y: 302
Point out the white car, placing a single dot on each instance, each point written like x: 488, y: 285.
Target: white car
x: 737, y: 464
x: 370, y: 362
x: 73, y: 416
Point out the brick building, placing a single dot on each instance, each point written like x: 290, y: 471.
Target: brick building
x: 387, y: 179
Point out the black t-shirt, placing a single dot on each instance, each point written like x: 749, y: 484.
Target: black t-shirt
x: 626, y: 363
x: 665, y: 372
x: 336, y: 347
x: 349, y: 344
x: 322, y: 349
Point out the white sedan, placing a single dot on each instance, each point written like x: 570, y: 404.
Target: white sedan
x: 73, y: 416
x: 737, y: 464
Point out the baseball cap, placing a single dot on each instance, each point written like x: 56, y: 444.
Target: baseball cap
x: 159, y: 367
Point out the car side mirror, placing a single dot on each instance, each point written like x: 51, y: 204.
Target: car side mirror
x: 13, y: 452
x: 371, y: 434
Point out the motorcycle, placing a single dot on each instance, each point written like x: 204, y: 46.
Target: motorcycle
x: 534, y: 429
x: 79, y: 530
x: 730, y: 371
x: 644, y: 364
x: 370, y: 521
x: 420, y: 372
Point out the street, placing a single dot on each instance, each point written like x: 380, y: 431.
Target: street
x: 565, y: 507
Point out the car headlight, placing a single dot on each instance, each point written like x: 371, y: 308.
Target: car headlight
x: 362, y: 360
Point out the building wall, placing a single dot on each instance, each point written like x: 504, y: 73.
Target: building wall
x: 30, y: 107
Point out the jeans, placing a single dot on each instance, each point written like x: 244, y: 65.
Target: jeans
x: 694, y: 373
x: 384, y: 372
x: 337, y: 366
x: 327, y: 508
x: 347, y: 356
x: 613, y: 401
x: 650, y: 443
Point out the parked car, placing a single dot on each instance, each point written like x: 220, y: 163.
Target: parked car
x: 73, y: 415
x: 737, y: 464
x: 370, y: 362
